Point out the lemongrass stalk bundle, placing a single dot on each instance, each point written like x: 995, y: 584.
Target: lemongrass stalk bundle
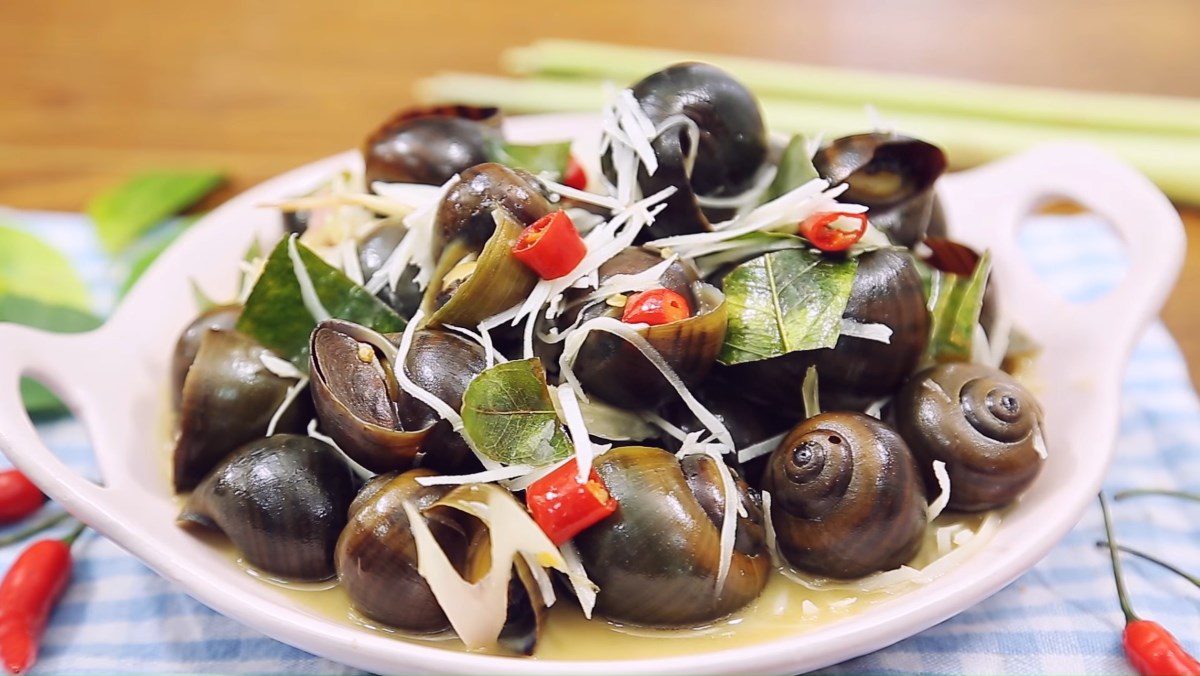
x: 1171, y: 161
x: 892, y: 91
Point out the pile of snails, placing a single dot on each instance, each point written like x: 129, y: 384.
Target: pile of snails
x: 333, y: 489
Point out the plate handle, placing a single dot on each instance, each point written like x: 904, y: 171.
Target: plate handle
x: 57, y: 360
x: 992, y: 202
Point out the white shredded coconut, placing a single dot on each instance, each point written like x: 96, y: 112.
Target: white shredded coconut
x: 760, y: 448
x: 486, y: 476
x: 866, y: 330
x: 1039, y: 442
x: 308, y: 292
x: 943, y: 479
x: 578, y: 431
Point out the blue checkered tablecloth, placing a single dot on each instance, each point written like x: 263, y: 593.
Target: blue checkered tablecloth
x: 1061, y: 617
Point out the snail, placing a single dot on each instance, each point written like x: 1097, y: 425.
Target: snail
x: 856, y: 372
x: 430, y: 145
x: 465, y: 212
x: 846, y: 496
x: 731, y: 144
x: 613, y: 369
x: 893, y: 175
x: 229, y: 397
x: 374, y: 249
x: 377, y: 560
x: 281, y: 500
x: 657, y: 559
x: 362, y: 407
x: 982, y: 423
x: 218, y: 318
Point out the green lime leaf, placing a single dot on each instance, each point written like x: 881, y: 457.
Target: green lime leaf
x: 795, y: 169
x: 785, y: 301
x: 955, y: 303
x: 32, y: 269
x: 41, y: 315
x: 275, y: 314
x: 509, y: 417
x: 126, y: 212
x: 144, y: 253
x: 550, y: 158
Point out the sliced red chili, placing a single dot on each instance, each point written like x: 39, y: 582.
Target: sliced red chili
x: 564, y: 507
x: 833, y: 231
x: 655, y: 307
x: 29, y: 592
x: 574, y: 176
x: 551, y: 247
x: 18, y: 496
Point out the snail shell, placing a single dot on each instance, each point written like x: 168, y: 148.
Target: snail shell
x: 615, y: 371
x: 281, y: 500
x: 374, y: 249
x: 376, y: 554
x: 887, y: 290
x: 229, y: 397
x: 891, y: 174
x: 360, y: 405
x: 430, y: 145
x: 465, y: 212
x: 219, y: 318
x: 731, y: 148
x: 657, y: 558
x: 846, y: 497
x: 979, y: 421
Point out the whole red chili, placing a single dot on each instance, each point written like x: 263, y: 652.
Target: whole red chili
x: 1149, y: 647
x: 18, y: 496
x: 30, y: 590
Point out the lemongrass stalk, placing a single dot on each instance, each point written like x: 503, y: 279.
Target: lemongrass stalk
x: 1169, y: 161
x: 1152, y: 114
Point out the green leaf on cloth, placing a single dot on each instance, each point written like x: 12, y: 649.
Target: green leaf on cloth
x: 126, y: 212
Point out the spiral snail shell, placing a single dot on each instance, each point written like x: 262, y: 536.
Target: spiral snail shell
x: 982, y: 423
x: 846, y: 496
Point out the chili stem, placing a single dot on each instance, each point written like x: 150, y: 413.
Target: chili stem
x: 1138, y: 492
x: 74, y: 534
x: 1122, y: 595
x: 26, y: 533
x: 1155, y: 560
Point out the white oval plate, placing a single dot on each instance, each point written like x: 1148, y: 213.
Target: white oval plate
x: 114, y: 379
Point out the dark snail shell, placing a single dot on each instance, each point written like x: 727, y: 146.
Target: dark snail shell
x: 731, y: 150
x: 229, y: 397
x: 430, y: 145
x: 377, y: 560
x: 611, y: 368
x: 656, y: 560
x: 374, y: 249
x: 362, y: 407
x: 281, y: 500
x: 219, y: 318
x: 887, y: 290
x: 846, y: 497
x: 891, y: 174
x: 465, y: 212
x: 979, y: 421
x: 377, y: 555
x: 856, y: 372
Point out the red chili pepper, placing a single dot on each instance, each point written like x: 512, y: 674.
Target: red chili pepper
x: 563, y: 507
x: 30, y: 590
x: 656, y: 306
x: 834, y: 231
x: 1149, y: 647
x: 18, y: 496
x: 551, y: 247
x: 574, y: 176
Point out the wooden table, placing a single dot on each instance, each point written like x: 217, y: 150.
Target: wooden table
x: 90, y: 92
